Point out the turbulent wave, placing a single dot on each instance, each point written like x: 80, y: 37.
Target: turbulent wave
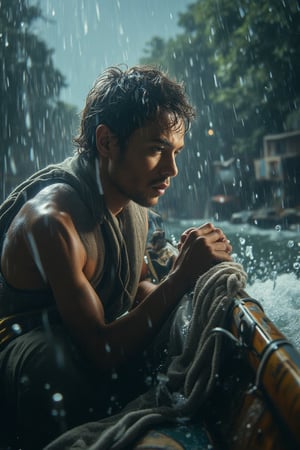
x: 280, y: 299
x: 271, y: 259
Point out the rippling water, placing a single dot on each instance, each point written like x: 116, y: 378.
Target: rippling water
x: 271, y: 259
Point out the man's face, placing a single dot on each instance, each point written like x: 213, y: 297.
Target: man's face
x: 142, y: 170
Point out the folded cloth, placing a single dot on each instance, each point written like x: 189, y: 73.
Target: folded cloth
x: 196, y: 355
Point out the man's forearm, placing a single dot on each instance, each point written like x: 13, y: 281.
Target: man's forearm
x: 134, y: 331
x: 145, y: 288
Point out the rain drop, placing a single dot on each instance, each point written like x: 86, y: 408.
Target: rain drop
x: 249, y: 252
x: 16, y: 328
x: 85, y: 27
x: 162, y: 378
x: 148, y: 381
x: 25, y: 380
x: 57, y: 397
x: 114, y: 375
x: 98, y: 12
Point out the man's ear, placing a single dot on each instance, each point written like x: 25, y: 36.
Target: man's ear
x: 106, y: 141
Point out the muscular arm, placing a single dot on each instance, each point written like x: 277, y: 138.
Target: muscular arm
x: 107, y: 345
x: 60, y: 258
x: 63, y: 260
x: 64, y: 265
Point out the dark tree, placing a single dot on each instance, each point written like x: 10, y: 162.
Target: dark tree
x: 241, y: 64
x: 35, y: 126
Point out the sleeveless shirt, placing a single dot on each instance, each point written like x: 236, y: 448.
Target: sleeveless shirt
x: 121, y: 240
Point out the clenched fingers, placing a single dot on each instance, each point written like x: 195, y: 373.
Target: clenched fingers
x: 209, y: 231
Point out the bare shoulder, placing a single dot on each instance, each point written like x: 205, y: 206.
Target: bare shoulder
x: 50, y: 221
x: 58, y: 201
x: 56, y: 213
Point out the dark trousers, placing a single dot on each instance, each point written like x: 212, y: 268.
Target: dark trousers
x: 47, y: 387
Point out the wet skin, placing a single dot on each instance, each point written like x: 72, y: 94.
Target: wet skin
x: 142, y: 173
x: 43, y: 248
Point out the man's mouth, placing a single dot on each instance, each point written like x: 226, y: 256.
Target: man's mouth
x: 160, y: 188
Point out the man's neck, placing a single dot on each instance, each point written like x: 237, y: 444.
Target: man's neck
x: 114, y: 200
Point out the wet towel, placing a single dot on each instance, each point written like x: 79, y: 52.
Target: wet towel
x: 191, y: 374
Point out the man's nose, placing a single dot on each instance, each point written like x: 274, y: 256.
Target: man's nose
x: 169, y: 166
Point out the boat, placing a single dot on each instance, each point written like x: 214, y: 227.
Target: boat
x: 256, y: 403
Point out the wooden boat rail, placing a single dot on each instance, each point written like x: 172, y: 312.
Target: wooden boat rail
x: 275, y: 360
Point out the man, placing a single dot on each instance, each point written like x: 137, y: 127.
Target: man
x: 73, y: 241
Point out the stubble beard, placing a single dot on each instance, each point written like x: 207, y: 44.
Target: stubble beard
x: 139, y: 198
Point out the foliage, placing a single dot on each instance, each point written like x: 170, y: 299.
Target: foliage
x: 240, y: 61
x: 36, y: 127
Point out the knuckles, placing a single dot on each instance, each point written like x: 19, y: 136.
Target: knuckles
x: 209, y: 226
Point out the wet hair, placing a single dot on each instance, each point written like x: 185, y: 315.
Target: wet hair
x: 124, y: 100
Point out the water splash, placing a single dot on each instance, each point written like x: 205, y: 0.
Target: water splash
x: 281, y: 303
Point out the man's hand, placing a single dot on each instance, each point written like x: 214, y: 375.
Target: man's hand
x: 199, y: 249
